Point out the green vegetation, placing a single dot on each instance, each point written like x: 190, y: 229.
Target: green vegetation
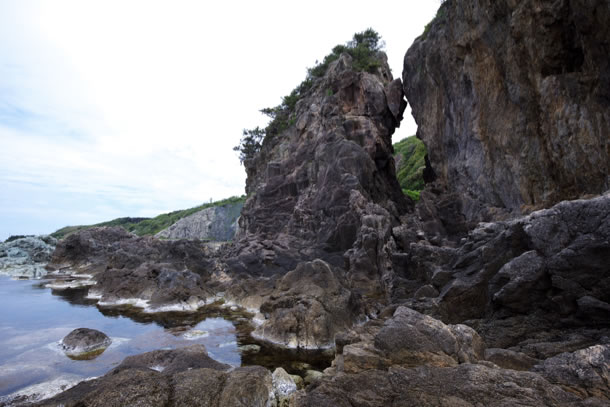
x: 363, y: 48
x: 410, y: 156
x: 440, y: 15
x: 149, y: 226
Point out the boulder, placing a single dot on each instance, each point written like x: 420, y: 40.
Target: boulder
x: 83, y: 342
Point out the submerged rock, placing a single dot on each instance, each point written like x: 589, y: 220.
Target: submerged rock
x: 26, y: 256
x: 85, y: 343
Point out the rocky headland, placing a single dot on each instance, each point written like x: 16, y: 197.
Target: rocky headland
x: 492, y: 290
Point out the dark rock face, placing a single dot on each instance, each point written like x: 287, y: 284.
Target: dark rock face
x: 511, y: 99
x: 85, y: 340
x: 525, y: 278
x: 319, y: 188
x: 130, y: 268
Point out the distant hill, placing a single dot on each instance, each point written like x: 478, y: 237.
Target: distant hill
x: 148, y: 226
x: 409, y: 156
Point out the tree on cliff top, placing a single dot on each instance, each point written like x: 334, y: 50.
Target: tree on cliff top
x: 364, y: 49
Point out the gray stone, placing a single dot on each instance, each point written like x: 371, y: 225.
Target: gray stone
x: 84, y: 340
x: 27, y: 256
x: 217, y: 223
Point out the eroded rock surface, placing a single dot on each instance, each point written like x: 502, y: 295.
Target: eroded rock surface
x: 308, y: 307
x: 511, y: 99
x: 526, y: 283
x: 327, y: 184
x: 141, y: 271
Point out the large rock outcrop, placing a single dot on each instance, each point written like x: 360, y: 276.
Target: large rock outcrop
x: 512, y: 101
x: 217, y: 223
x: 143, y: 271
x: 327, y: 184
x: 537, y: 283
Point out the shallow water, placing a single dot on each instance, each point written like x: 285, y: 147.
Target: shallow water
x: 33, y: 319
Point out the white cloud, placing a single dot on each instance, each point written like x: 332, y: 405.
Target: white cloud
x: 134, y: 106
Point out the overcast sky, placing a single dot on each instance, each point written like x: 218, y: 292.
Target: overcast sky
x: 131, y: 108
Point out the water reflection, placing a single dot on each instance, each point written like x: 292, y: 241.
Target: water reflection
x: 36, y: 318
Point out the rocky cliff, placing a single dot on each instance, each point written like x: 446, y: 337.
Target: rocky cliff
x: 326, y: 187
x: 217, y: 223
x: 511, y: 99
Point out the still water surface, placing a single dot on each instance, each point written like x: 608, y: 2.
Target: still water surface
x: 33, y: 319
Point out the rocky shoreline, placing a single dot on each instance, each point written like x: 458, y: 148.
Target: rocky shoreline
x: 492, y: 290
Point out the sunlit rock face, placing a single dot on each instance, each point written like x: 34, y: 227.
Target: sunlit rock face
x: 512, y: 101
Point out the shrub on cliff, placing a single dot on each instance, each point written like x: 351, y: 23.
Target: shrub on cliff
x: 363, y: 48
x: 410, y: 161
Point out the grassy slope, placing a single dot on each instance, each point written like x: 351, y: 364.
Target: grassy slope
x: 409, y: 153
x: 148, y: 226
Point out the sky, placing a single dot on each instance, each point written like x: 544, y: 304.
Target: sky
x: 116, y: 108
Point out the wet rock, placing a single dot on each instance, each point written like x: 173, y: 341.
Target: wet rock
x: 307, y: 308
x: 83, y: 341
x: 217, y: 223
x: 26, y: 256
x: 505, y: 137
x: 155, y: 285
